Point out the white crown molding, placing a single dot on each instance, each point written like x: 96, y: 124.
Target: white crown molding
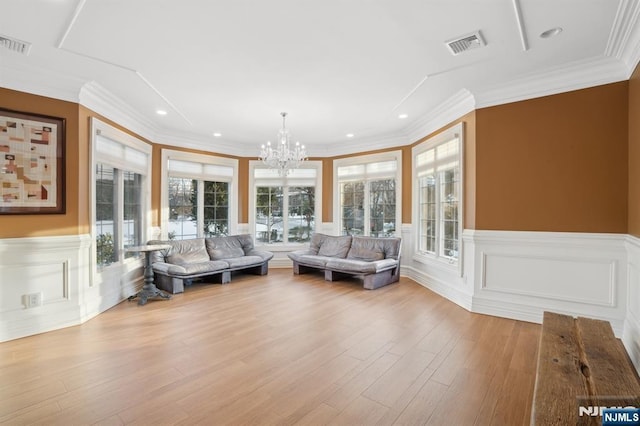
x: 22, y: 77
x: 624, y: 38
x: 98, y: 99
x: 456, y: 106
x: 577, y: 75
x: 105, y: 103
x: 210, y: 144
x: 461, y: 103
x: 360, y: 145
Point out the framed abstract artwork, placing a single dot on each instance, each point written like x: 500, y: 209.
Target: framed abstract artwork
x: 32, y: 163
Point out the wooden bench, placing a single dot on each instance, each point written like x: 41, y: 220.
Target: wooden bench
x: 580, y: 363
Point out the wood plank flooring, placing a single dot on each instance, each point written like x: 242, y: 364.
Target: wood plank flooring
x: 278, y: 349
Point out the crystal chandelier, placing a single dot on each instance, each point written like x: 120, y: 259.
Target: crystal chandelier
x: 282, y: 157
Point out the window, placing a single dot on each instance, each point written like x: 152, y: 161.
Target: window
x: 285, y: 209
x: 199, y: 199
x: 437, y: 173
x: 106, y: 214
x: 368, y: 190
x: 121, y: 166
x: 185, y: 198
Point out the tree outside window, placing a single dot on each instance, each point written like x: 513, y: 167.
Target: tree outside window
x: 198, y: 208
x: 269, y: 221
x: 368, y: 194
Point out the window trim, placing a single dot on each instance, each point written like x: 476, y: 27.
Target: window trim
x: 100, y: 128
x: 428, y: 258
x: 170, y: 154
x: 281, y: 181
x: 367, y: 159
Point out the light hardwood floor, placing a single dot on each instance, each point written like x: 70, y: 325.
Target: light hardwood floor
x: 279, y: 349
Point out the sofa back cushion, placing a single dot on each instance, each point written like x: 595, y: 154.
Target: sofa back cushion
x: 329, y: 245
x: 183, y: 251
x: 220, y: 248
x: 372, y: 249
x: 246, y: 241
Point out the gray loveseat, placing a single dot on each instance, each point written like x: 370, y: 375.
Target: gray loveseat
x: 376, y: 260
x: 199, y: 257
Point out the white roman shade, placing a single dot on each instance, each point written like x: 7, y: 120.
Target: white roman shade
x: 121, y: 156
x: 195, y: 170
x: 296, y: 177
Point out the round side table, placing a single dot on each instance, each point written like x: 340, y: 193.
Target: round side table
x: 149, y: 289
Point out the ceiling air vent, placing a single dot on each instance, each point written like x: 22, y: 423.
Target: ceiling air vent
x: 15, y: 45
x: 468, y: 42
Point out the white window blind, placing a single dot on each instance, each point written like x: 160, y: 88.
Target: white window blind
x: 368, y: 170
x: 121, y: 156
x: 296, y: 177
x: 197, y: 170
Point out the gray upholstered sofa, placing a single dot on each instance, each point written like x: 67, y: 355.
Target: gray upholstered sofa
x: 199, y: 257
x: 376, y: 260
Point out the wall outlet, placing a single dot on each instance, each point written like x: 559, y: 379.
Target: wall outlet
x: 32, y: 300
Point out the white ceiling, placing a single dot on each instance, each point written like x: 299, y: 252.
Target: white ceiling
x: 336, y: 66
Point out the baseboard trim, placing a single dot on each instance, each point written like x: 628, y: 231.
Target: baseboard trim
x: 438, y: 286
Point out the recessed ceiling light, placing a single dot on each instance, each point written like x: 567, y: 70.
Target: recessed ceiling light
x: 551, y: 32
x: 161, y: 112
x: 403, y: 116
x: 217, y: 135
x: 350, y: 135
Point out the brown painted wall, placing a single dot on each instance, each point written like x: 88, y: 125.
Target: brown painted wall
x: 470, y: 171
x: 634, y: 154
x: 407, y: 188
x: 13, y: 226
x: 557, y: 163
x: 327, y: 190
x: 243, y: 190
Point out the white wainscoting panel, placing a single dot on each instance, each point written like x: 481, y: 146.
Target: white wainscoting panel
x: 522, y: 274
x: 56, y: 268
x: 561, y: 278
x: 631, y: 333
x: 50, y: 279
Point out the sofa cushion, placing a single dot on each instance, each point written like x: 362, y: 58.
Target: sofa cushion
x: 332, y: 246
x: 220, y: 248
x: 244, y: 261
x: 373, y: 248
x: 246, y: 241
x: 364, y: 254
x: 264, y: 255
x: 186, y: 251
x: 186, y: 269
x: 296, y: 255
x: 310, y: 259
x: 359, y: 266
